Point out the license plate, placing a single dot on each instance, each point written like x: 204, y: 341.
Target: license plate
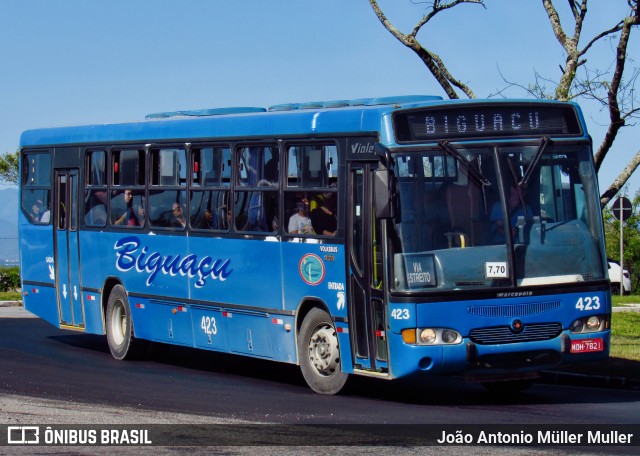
x: 587, y: 345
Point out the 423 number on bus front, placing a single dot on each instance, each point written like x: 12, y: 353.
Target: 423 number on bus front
x: 588, y: 303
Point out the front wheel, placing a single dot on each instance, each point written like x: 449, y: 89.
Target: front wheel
x: 319, y: 353
x: 120, y: 325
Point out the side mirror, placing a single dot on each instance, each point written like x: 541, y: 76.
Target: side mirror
x: 384, y: 192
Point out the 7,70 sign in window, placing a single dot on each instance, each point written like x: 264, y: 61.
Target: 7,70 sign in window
x: 496, y: 270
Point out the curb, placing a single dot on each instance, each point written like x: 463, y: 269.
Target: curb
x: 10, y: 303
x: 626, y: 308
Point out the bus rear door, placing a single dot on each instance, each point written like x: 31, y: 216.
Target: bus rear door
x: 67, y: 250
x: 366, y: 304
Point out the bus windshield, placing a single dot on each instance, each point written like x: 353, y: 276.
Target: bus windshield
x: 504, y: 216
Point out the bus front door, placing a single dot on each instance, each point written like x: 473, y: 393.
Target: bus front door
x: 67, y: 250
x: 366, y: 304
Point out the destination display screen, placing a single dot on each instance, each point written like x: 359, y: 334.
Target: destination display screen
x: 483, y: 121
x: 420, y: 271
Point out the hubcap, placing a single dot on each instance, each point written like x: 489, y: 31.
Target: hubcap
x: 118, y: 323
x: 323, y: 351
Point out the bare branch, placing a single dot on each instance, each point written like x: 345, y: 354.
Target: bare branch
x: 536, y: 90
x: 614, y: 29
x: 556, y: 25
x: 432, y: 61
x: 387, y: 24
x: 438, y: 7
x: 573, y: 4
x: 617, y: 121
x: 468, y: 92
x: 622, y: 178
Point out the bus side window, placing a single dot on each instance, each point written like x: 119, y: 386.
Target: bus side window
x: 209, y: 210
x: 168, y: 167
x: 257, y: 211
x: 211, y: 166
x: 95, y: 196
x: 258, y: 166
x: 36, y: 187
x: 167, y: 195
x: 256, y: 205
x: 167, y: 209
x: 312, y: 165
x: 128, y: 167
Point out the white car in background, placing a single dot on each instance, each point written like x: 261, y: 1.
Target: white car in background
x: 614, y: 277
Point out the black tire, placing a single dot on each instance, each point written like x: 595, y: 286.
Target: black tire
x: 319, y: 353
x: 119, y: 325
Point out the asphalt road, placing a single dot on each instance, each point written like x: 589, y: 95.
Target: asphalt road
x: 73, y: 373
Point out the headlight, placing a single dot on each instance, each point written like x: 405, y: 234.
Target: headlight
x: 593, y: 323
x: 431, y: 336
x: 577, y: 326
x: 449, y: 336
x: 427, y: 336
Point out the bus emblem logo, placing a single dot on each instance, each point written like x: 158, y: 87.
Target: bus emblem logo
x: 311, y: 269
x: 517, y: 327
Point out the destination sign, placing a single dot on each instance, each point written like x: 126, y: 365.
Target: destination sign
x: 483, y: 121
x: 420, y: 271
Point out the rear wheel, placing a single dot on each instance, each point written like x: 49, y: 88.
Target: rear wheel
x: 319, y: 353
x: 120, y: 325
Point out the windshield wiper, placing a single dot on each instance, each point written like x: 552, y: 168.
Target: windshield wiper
x: 544, y: 142
x: 474, y: 173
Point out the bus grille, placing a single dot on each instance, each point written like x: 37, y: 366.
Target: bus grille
x: 516, y: 310
x: 504, y: 335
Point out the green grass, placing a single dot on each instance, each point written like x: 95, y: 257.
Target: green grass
x: 618, y: 300
x: 10, y: 296
x: 625, y: 335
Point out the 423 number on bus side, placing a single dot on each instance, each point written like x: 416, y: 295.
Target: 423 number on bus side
x: 208, y: 325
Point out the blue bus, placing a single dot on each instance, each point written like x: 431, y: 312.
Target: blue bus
x: 387, y: 237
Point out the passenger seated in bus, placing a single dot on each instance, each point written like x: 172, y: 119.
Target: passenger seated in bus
x: 300, y: 223
x: 129, y: 217
x: 177, y: 219
x: 46, y: 216
x: 206, y: 221
x: 323, y: 219
x: 514, y: 203
x: 35, y: 215
x: 96, y: 214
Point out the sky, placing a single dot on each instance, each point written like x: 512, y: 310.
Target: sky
x: 73, y: 62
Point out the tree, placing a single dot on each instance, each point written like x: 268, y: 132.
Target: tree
x: 614, y: 91
x: 9, y: 171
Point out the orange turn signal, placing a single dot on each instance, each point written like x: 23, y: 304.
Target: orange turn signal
x: 409, y: 335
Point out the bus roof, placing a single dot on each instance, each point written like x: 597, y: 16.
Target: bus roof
x: 310, y: 118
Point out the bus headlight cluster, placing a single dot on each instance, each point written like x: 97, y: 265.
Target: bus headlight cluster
x: 431, y: 336
x: 593, y: 323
